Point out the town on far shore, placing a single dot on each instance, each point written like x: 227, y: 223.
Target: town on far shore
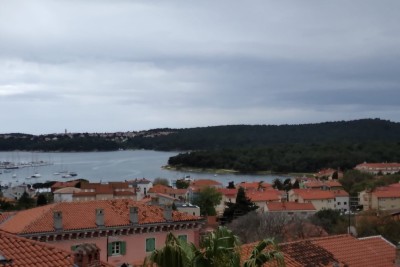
x: 80, y: 223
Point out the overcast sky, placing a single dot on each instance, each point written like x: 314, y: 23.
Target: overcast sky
x: 105, y: 66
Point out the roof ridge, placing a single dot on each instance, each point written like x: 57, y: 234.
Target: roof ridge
x: 316, y: 239
x: 377, y: 236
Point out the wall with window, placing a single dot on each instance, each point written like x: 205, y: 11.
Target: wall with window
x: 132, y: 248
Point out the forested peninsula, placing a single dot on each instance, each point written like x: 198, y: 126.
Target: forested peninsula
x: 245, y: 148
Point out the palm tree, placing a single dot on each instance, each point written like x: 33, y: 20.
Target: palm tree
x: 176, y: 252
x: 261, y: 255
x: 219, y: 249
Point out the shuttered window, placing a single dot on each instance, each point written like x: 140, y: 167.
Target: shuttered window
x: 150, y: 244
x: 116, y: 248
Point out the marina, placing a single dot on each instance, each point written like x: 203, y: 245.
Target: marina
x: 104, y: 167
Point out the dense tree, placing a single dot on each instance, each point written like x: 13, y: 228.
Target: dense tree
x: 277, y: 184
x: 182, y: 184
x: 378, y: 223
x: 41, y: 200
x: 207, y: 199
x: 219, y: 248
x: 25, y: 202
x: 231, y: 185
x: 265, y: 251
x: 176, y: 252
x: 242, y: 206
x: 161, y: 181
x: 331, y: 221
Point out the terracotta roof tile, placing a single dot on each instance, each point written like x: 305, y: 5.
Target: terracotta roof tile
x: 26, y: 253
x: 116, y: 213
x: 228, y: 191
x: 266, y: 195
x: 286, y: 206
x: 254, y: 185
x: 379, y: 165
x: 340, y: 193
x: 314, y: 194
x: 344, y: 250
x: 167, y: 190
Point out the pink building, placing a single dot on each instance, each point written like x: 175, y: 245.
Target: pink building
x: 124, y: 230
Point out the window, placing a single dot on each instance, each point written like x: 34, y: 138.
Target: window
x: 150, y: 244
x: 182, y: 237
x: 338, y: 203
x: 116, y: 248
x: 345, y: 203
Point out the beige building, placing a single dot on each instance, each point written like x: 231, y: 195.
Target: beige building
x: 382, y: 198
x: 376, y: 168
x: 319, y: 198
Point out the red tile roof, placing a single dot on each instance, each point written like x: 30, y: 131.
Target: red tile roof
x: 387, y: 194
x: 26, y: 253
x: 116, y: 213
x: 228, y: 191
x: 379, y: 165
x: 308, y: 194
x: 162, y: 189
x: 340, y: 193
x: 254, y: 185
x: 288, y: 206
x: 356, y: 253
x: 58, y: 185
x: 201, y: 183
x: 318, y: 184
x: 5, y: 215
x: 266, y: 195
x: 344, y: 250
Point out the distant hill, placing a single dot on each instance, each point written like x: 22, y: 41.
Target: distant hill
x: 240, y: 136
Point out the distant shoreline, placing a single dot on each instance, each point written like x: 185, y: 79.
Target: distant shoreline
x: 228, y: 171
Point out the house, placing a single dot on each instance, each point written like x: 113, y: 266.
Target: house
x: 99, y: 191
x: 141, y: 186
x: 329, y: 174
x: 23, y: 252
x: 16, y: 192
x: 378, y: 168
x: 342, y: 200
x: 335, y: 251
x: 188, y: 208
x: 319, y: 198
x: 181, y: 194
x: 261, y: 198
x: 228, y: 195
x: 381, y: 198
x: 291, y: 208
x: 65, y: 194
x: 254, y: 186
x: 323, y: 185
x: 114, y: 226
x: 199, y: 184
x: 59, y: 185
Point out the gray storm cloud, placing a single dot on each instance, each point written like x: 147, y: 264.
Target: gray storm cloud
x: 131, y: 65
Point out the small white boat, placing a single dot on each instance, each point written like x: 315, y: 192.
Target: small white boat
x: 14, y: 176
x: 36, y: 175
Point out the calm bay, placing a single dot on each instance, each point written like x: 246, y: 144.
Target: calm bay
x: 106, y: 166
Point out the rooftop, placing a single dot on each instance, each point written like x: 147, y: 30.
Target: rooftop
x: 25, y: 253
x: 116, y: 213
x: 314, y: 194
x: 288, y: 206
x: 343, y: 250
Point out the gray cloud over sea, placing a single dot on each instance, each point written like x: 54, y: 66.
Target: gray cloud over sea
x: 96, y: 66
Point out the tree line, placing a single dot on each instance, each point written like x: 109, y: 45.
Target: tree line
x: 291, y: 157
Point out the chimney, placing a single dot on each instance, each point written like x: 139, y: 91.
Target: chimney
x: 133, y: 215
x: 99, y: 217
x: 57, y: 219
x: 87, y: 255
x: 168, y: 212
x: 397, y: 260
